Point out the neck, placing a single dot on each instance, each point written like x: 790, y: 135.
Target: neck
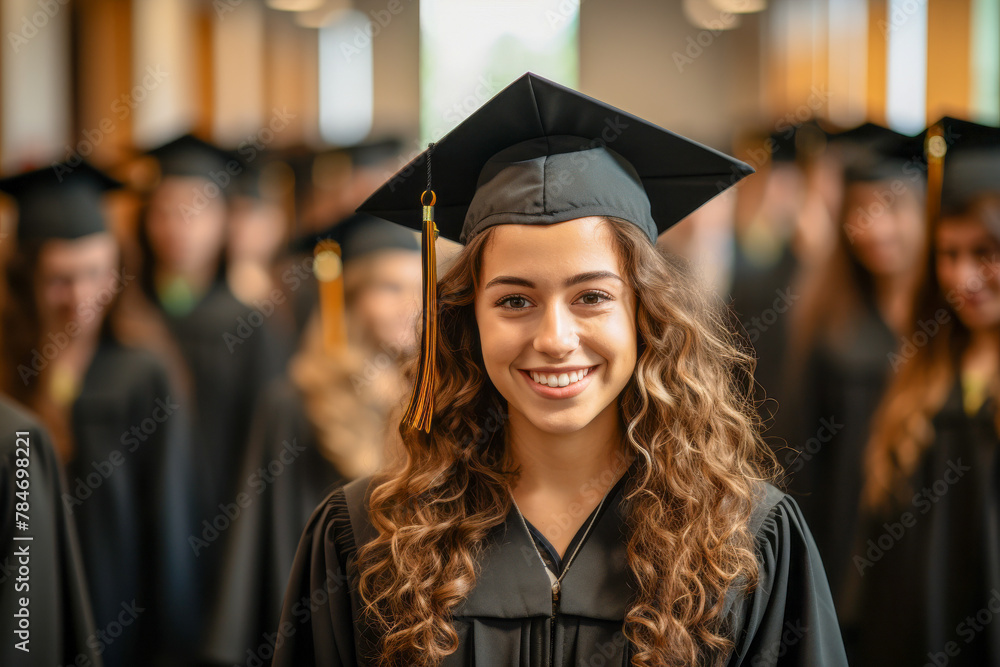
x: 893, y: 296
x: 983, y: 351
x: 565, y: 463
x: 198, y: 280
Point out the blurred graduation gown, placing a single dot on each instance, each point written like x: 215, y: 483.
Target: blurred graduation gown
x: 508, y: 617
x: 60, y: 616
x: 927, y: 588
x: 134, y: 523
x: 285, y: 477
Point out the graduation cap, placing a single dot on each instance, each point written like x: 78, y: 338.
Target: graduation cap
x: 188, y: 155
x: 872, y: 152
x: 540, y: 153
x: 796, y: 143
x: 359, y: 235
x: 62, y: 201
x: 970, y: 153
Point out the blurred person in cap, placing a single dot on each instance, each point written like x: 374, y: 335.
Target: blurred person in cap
x: 855, y: 307
x: 329, y: 420
x: 931, y: 463
x: 53, y: 624
x: 119, y: 423
x: 226, y: 344
x: 581, y: 473
x: 258, y: 229
x: 779, y: 222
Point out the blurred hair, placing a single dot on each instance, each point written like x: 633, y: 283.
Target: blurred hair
x: 689, y: 422
x: 902, y: 427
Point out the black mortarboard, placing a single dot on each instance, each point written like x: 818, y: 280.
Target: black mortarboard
x: 540, y: 153
x: 62, y: 201
x: 188, y: 155
x: 795, y: 143
x: 360, y: 235
x: 971, y: 154
x: 872, y: 152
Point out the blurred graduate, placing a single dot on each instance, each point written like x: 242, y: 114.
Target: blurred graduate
x: 118, y: 421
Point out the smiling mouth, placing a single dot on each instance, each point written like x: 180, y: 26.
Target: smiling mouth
x: 559, y: 379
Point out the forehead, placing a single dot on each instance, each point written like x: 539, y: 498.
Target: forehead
x: 962, y: 230
x: 551, y: 251
x: 91, y: 248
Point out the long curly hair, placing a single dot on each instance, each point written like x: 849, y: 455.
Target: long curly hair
x: 690, y: 425
x: 903, y: 425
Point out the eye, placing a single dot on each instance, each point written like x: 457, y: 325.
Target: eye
x: 595, y: 298
x: 513, y: 302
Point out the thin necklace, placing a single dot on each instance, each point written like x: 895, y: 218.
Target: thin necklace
x: 556, y: 581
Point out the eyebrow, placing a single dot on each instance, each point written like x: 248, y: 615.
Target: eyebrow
x: 575, y: 280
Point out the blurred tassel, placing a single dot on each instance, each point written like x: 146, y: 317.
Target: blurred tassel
x: 329, y: 270
x: 935, y: 148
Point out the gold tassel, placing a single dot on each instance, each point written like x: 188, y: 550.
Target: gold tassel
x: 329, y: 270
x: 935, y: 149
x: 421, y: 408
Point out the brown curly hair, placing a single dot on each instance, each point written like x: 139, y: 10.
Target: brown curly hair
x: 689, y: 422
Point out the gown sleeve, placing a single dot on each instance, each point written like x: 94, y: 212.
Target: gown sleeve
x: 317, y: 617
x: 789, y: 618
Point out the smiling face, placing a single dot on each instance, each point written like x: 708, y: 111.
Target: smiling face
x: 557, y: 322
x: 967, y: 262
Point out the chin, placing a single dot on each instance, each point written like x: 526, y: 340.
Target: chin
x: 558, y: 422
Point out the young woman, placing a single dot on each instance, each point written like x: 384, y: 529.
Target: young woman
x: 580, y: 482
x: 854, y: 309
x: 119, y: 423
x: 930, y: 558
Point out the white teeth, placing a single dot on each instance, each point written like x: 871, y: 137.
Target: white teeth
x: 561, y: 380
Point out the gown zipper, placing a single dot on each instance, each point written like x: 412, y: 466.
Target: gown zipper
x: 557, y: 583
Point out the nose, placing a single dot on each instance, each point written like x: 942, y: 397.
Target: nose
x: 557, y: 332
x: 967, y: 274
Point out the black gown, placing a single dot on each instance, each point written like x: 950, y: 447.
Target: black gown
x: 131, y: 489
x: 284, y: 478
x: 931, y: 589
x: 843, y: 384
x: 508, y: 617
x: 58, y: 601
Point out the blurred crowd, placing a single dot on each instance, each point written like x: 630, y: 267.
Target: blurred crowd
x: 202, y: 344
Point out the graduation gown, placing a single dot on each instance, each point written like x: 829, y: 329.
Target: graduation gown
x: 131, y: 487
x: 230, y: 359
x: 931, y: 566
x: 58, y: 602
x: 509, y: 618
x: 841, y: 389
x: 284, y: 478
